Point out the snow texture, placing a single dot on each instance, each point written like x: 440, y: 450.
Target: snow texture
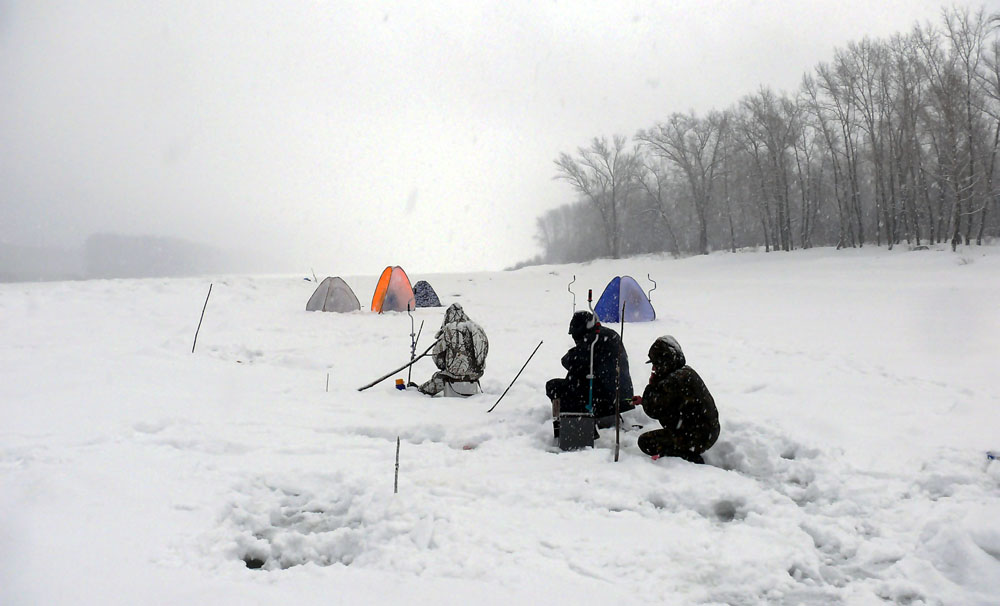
x: 856, y: 391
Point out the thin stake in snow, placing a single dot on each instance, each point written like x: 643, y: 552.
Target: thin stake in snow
x: 201, y: 318
x: 516, y: 376
x: 395, y: 482
x: 401, y: 368
x: 328, y: 382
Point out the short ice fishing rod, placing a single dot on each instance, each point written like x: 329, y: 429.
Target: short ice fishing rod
x: 413, y: 342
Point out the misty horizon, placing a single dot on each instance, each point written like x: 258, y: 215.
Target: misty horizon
x: 107, y: 255
x: 355, y: 137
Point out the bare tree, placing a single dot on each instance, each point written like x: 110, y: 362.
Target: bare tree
x: 771, y: 126
x: 837, y: 84
x: 894, y: 139
x: 653, y: 179
x: 944, y: 114
x: 605, y: 175
x: 989, y: 77
x: 903, y: 80
x: 866, y: 62
x: 820, y: 111
x: 966, y: 33
x: 691, y: 144
x: 726, y: 163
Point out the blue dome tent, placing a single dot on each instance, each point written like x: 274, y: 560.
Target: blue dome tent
x: 624, y: 290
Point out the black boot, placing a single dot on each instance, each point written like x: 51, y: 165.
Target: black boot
x: 694, y: 457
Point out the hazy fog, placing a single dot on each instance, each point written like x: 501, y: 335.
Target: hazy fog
x: 349, y: 136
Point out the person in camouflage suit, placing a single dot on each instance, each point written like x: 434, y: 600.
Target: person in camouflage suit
x: 460, y: 355
x: 677, y: 398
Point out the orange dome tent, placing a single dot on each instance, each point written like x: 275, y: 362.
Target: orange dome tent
x: 393, y: 292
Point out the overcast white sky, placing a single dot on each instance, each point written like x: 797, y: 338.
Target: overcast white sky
x: 347, y: 136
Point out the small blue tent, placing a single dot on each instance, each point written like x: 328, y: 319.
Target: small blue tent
x: 624, y: 290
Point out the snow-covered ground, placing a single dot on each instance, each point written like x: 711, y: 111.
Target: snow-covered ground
x: 857, y: 392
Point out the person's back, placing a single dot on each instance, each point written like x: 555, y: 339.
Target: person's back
x: 611, y: 372
x: 460, y: 353
x: 462, y: 350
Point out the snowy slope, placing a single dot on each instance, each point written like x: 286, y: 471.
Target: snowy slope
x: 856, y: 391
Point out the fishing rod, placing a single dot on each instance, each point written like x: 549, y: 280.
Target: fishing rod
x: 516, y: 376
x: 403, y: 367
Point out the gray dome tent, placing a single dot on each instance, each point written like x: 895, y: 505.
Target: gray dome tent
x: 333, y: 294
x: 425, y: 295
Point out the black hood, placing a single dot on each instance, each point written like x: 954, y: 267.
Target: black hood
x: 665, y: 353
x: 581, y: 322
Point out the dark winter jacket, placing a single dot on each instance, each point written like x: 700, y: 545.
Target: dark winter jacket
x: 609, y: 358
x: 678, y: 398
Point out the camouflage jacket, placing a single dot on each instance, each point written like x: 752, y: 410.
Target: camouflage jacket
x: 461, y: 351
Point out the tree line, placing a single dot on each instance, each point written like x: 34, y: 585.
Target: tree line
x: 890, y: 142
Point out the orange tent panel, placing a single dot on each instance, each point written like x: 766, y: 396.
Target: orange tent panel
x: 380, y: 288
x: 393, y: 291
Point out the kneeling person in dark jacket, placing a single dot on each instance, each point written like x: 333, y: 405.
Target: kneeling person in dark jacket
x: 677, y: 398
x: 611, y: 373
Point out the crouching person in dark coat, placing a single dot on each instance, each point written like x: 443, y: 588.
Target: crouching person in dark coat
x: 677, y: 398
x: 611, y: 373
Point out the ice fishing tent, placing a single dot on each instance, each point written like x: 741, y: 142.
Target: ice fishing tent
x: 624, y: 290
x: 333, y: 294
x: 393, y: 292
x: 425, y: 295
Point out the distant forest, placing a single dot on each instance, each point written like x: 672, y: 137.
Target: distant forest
x: 891, y: 142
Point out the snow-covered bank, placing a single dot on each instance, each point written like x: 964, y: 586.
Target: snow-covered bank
x: 855, y: 390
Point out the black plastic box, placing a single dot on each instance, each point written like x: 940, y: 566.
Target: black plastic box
x: 576, y: 430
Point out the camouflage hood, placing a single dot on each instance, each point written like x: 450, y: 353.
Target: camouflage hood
x: 665, y: 354
x: 454, y: 314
